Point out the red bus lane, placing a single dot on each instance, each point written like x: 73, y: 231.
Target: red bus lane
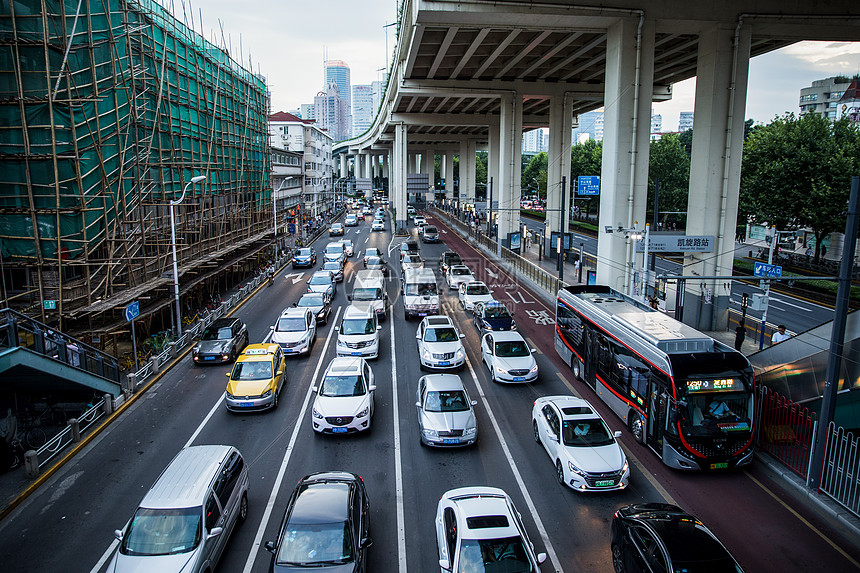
x: 765, y: 528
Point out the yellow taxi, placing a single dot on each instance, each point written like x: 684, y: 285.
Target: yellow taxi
x: 256, y: 379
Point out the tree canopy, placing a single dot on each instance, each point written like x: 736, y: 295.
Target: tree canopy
x: 670, y: 165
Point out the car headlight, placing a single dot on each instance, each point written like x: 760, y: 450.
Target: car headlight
x: 267, y: 393
x: 460, y: 353
x: 195, y: 350
x: 513, y: 325
x: 426, y: 355
x: 487, y: 325
x: 429, y: 433
x: 534, y: 369
x: 364, y: 412
x: 500, y: 370
x: 317, y: 415
x: 229, y: 395
x: 321, y: 313
x: 341, y: 342
x: 626, y: 466
x: 470, y: 431
x: 575, y: 469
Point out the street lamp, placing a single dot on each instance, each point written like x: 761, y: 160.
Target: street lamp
x: 194, y: 180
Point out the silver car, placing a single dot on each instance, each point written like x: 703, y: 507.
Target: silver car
x: 445, y: 413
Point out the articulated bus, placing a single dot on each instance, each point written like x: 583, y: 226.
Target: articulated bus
x: 686, y: 396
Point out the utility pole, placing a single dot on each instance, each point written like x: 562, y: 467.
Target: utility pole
x: 561, y: 231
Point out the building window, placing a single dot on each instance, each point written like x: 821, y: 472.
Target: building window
x: 836, y: 95
x: 831, y: 114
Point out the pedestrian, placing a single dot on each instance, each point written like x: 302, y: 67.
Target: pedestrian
x: 823, y: 251
x: 740, y: 334
x: 779, y: 335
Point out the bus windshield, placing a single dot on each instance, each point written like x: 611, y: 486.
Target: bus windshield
x: 716, y: 405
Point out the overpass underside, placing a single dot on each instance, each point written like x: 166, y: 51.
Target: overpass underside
x: 473, y: 76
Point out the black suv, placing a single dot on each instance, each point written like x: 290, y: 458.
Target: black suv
x: 326, y: 526
x: 408, y: 248
x: 448, y: 259
x: 222, y: 341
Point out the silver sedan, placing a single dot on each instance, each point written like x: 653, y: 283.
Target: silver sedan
x: 446, y: 417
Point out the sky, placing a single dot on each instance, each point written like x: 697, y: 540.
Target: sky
x: 287, y: 41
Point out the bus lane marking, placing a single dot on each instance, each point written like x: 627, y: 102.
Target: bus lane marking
x: 398, y: 465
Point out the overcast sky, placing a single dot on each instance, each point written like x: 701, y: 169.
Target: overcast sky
x: 286, y: 40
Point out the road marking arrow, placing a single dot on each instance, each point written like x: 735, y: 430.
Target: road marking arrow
x: 491, y: 273
x: 297, y: 275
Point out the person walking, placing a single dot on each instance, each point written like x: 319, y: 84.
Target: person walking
x: 740, y: 335
x: 779, y: 335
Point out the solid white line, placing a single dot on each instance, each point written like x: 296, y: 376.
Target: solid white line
x: 398, y: 469
x: 106, y: 554
x: 783, y: 301
x: 519, y: 478
x: 276, y: 487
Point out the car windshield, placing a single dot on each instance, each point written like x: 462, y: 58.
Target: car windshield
x: 586, y: 433
x: 256, y: 370
x: 163, y: 531
x: 453, y: 259
x: 460, y: 271
x: 320, y: 280
x: 303, y: 253
x: 374, y: 261
x: 496, y: 312
x: 311, y: 301
x: 477, y: 289
x: 332, y: 266
x: 291, y: 324
x: 357, y: 326
x: 334, y: 249
x: 315, y: 544
x: 220, y: 333
x: 446, y: 401
x: 511, y: 349
x: 430, y: 229
x: 443, y: 334
x: 421, y: 289
x: 338, y: 386
x: 507, y: 555
x: 411, y: 259
x: 372, y: 252
x: 366, y: 294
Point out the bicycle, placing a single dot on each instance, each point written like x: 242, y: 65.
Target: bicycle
x: 189, y: 320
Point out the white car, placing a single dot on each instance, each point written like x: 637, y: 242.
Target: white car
x: 446, y: 416
x: 480, y: 529
x: 335, y: 252
x: 419, y: 220
x: 458, y: 274
x: 586, y: 454
x: 323, y: 281
x: 473, y: 293
x: 411, y: 262
x: 351, y: 220
x: 348, y: 247
x: 439, y: 345
x: 344, y: 398
x: 295, y: 331
x: 358, y: 333
x: 372, y: 252
x: 378, y: 225
x: 508, y: 357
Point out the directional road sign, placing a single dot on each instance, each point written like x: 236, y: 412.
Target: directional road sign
x: 132, y: 310
x: 767, y: 271
x: 588, y: 185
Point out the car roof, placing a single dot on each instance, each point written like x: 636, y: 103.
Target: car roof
x: 322, y: 273
x: 347, y: 364
x: 185, y: 481
x: 439, y: 320
x: 443, y: 382
x: 321, y: 501
x: 460, y: 267
x: 476, y: 283
x: 294, y: 312
x: 685, y: 537
x: 573, y: 408
x: 486, y: 502
x: 258, y: 352
x: 507, y: 335
x: 353, y: 311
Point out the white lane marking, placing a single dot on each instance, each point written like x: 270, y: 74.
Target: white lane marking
x: 519, y: 478
x: 298, y: 277
x: 107, y: 553
x: 276, y: 487
x: 491, y: 273
x: 398, y: 466
x: 783, y: 301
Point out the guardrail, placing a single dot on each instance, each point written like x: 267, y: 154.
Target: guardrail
x: 72, y: 433
x: 786, y: 430
x: 841, y: 472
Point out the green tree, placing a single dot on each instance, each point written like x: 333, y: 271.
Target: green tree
x: 534, y: 176
x: 797, y: 172
x: 670, y: 165
x: 586, y: 159
x: 481, y: 168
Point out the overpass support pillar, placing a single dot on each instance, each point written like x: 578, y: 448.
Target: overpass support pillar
x: 368, y: 166
x: 722, y: 72
x: 468, y: 149
x: 493, y: 142
x: 449, y: 175
x: 427, y: 166
x: 510, y: 163
x: 558, y: 159
x: 397, y: 183
x: 344, y: 171
x: 626, y: 139
x: 385, y: 164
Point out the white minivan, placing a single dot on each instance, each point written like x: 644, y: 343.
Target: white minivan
x: 368, y: 291
x: 358, y: 332
x: 420, y: 295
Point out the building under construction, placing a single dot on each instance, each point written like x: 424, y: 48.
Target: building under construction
x: 109, y: 108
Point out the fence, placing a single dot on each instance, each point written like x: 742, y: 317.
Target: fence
x: 841, y: 471
x: 786, y: 430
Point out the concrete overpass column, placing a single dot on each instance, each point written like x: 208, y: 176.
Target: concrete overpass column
x: 510, y: 163
x: 558, y: 165
x: 344, y: 170
x: 427, y: 165
x: 385, y: 165
x: 397, y: 185
x: 715, y: 169
x: 626, y: 133
x: 368, y: 165
x: 493, y: 142
x: 449, y: 175
x: 468, y: 149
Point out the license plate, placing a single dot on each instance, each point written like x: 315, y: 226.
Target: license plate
x: 288, y: 350
x: 422, y: 314
x: 720, y: 466
x: 604, y: 483
x: 208, y: 358
x: 338, y: 430
x: 246, y: 404
x: 355, y: 353
x: 450, y: 441
x: 519, y: 378
x: 445, y: 363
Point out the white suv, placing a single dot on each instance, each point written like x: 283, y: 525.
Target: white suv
x: 295, y: 331
x: 344, y: 397
x: 439, y: 345
x: 358, y: 333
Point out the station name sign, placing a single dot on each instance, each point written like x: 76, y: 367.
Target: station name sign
x: 659, y: 243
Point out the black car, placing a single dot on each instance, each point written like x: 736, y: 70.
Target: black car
x: 493, y: 315
x: 222, y: 341
x: 662, y: 537
x: 319, y: 303
x: 326, y: 526
x: 304, y: 257
x: 408, y: 248
x: 448, y: 259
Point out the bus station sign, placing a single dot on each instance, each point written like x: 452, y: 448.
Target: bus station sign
x: 671, y: 243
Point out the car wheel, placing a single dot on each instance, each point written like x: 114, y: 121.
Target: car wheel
x: 243, y: 508
x: 637, y: 428
x: 462, y: 305
x: 535, y: 430
x: 617, y: 559
x: 559, y: 472
x: 275, y: 399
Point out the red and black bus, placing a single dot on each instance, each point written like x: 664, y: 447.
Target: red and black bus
x: 688, y: 397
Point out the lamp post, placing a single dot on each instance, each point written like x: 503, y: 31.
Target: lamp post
x: 194, y: 180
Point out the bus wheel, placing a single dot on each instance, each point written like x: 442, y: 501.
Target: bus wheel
x: 577, y: 368
x: 637, y: 427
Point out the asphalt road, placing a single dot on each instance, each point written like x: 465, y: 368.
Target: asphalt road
x: 67, y: 525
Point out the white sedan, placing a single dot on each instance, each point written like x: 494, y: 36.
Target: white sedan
x: 377, y: 225
x: 508, y: 357
x: 473, y: 293
x: 344, y: 398
x: 586, y: 454
x: 457, y: 275
x: 439, y: 345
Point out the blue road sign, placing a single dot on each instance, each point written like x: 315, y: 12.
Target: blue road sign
x: 767, y: 271
x: 588, y: 185
x: 132, y: 310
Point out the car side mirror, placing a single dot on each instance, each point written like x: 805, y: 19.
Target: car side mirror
x: 534, y: 350
x: 371, y: 388
x: 280, y: 373
x: 215, y: 532
x: 315, y: 389
x: 118, y: 534
x: 227, y: 374
x: 378, y: 327
x: 541, y: 557
x: 617, y: 434
x: 271, y: 328
x: 417, y: 337
x: 474, y: 402
x: 337, y: 329
x: 270, y: 546
x: 366, y: 542
x: 443, y: 563
x: 462, y: 335
x: 349, y: 297
x: 417, y: 404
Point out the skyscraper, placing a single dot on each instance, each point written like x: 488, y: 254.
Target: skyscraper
x: 337, y: 71
x: 362, y: 108
x: 330, y: 112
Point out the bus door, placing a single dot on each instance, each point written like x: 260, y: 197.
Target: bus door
x: 658, y: 407
x: 591, y: 354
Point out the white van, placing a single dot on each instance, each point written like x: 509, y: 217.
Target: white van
x: 184, y: 521
x: 420, y: 296
x: 358, y: 332
x: 368, y: 291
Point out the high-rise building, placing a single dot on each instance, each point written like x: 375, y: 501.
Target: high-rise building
x: 337, y: 71
x: 656, y: 122
x: 307, y: 111
x: 832, y: 97
x: 590, y: 124
x: 362, y: 108
x: 536, y: 140
x: 330, y: 111
x: 685, y: 121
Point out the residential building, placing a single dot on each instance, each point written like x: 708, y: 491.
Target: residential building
x: 304, y: 136
x: 362, y: 108
x: 376, y: 88
x: 656, y: 122
x: 826, y: 97
x: 536, y: 140
x: 685, y: 121
x: 287, y: 179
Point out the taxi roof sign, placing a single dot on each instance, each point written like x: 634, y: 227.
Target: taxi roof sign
x: 256, y: 351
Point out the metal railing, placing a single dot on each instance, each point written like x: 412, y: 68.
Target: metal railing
x: 71, y: 433
x: 786, y: 430
x: 841, y: 471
